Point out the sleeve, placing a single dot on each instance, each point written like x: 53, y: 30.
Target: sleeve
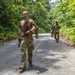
x: 36, y: 29
x: 33, y: 23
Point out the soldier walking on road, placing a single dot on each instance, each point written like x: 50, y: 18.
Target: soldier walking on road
x: 26, y: 27
x: 56, y: 28
x: 51, y: 30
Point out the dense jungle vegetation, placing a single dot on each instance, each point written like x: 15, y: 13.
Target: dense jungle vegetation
x: 43, y: 12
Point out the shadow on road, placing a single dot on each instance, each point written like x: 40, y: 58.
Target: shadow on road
x: 49, y: 53
x: 38, y: 69
x: 45, y: 57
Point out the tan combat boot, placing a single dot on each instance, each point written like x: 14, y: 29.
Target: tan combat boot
x: 21, y: 69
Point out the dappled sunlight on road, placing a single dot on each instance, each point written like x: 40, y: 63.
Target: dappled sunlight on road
x: 48, y: 57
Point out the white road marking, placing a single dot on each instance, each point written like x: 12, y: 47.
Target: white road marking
x: 38, y: 45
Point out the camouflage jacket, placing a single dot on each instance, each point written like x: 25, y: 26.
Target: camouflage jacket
x: 56, y: 28
x: 24, y: 27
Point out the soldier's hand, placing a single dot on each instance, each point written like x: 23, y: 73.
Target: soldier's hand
x: 27, y: 31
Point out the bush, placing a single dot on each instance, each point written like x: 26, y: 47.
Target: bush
x: 69, y: 33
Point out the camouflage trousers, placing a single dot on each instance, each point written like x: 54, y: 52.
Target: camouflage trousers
x: 56, y: 36
x: 26, y: 43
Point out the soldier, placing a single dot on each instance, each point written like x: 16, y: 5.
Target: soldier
x: 56, y: 28
x: 51, y: 30
x: 26, y: 27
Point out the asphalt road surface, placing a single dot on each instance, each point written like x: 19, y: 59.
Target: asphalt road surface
x: 49, y: 58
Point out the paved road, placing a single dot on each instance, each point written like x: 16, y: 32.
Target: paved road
x: 49, y: 58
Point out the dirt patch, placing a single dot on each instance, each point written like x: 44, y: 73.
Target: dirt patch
x: 68, y: 42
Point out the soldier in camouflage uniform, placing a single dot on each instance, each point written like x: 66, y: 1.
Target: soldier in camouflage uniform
x: 56, y: 28
x: 51, y: 30
x: 26, y: 27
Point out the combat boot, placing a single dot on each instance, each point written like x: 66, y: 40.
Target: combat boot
x: 30, y: 64
x: 21, y: 69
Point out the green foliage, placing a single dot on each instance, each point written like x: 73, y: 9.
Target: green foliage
x: 64, y: 13
x: 42, y: 12
x: 69, y: 33
x: 11, y: 14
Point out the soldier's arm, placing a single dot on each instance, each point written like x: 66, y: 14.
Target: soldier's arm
x: 33, y: 27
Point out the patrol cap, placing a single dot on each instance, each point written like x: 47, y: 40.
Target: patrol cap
x: 25, y: 12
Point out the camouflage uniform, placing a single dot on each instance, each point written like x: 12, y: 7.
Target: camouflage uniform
x: 52, y: 30
x: 26, y: 40
x: 56, y: 28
